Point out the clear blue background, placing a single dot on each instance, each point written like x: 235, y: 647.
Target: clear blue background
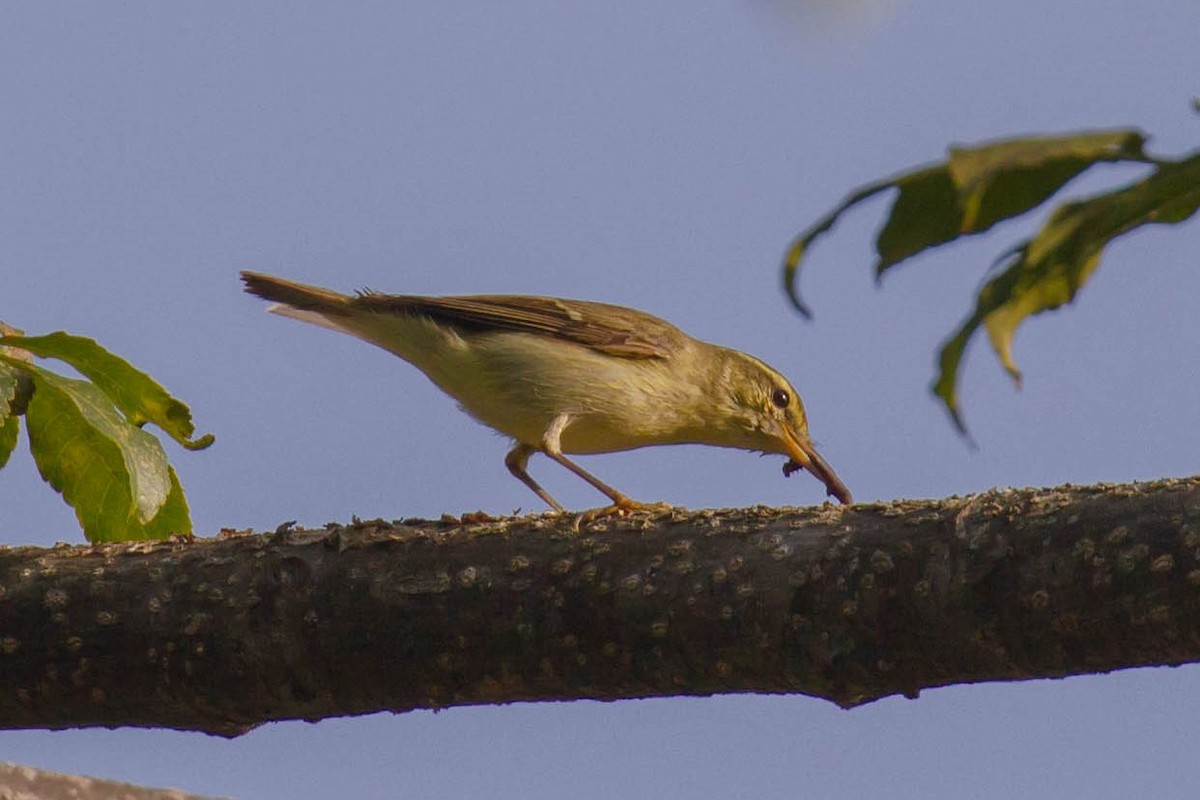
x: 658, y: 155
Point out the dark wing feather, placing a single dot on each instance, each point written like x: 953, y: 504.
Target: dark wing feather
x: 610, y: 329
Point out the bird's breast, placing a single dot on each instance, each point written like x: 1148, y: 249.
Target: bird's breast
x: 522, y: 384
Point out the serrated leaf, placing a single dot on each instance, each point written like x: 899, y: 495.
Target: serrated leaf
x: 1048, y: 270
x: 139, y: 397
x: 114, y: 475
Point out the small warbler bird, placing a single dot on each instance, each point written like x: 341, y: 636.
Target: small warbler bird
x: 571, y: 376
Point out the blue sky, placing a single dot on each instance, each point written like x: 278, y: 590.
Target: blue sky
x: 659, y: 155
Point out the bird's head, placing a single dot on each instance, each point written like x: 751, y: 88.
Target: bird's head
x: 768, y: 413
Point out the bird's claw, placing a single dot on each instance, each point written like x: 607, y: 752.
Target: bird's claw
x: 621, y: 508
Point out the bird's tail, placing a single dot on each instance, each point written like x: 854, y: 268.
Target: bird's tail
x: 310, y: 304
x: 299, y: 296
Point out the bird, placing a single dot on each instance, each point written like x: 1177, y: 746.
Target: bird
x: 577, y: 377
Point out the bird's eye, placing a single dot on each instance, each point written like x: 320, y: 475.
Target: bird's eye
x: 780, y: 398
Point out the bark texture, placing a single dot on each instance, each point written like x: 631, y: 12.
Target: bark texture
x: 848, y: 604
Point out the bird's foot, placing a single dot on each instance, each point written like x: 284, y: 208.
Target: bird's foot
x: 623, y: 507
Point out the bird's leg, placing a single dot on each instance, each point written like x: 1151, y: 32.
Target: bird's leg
x: 621, y: 503
x: 620, y: 500
x: 516, y: 460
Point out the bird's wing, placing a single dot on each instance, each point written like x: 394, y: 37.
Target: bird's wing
x: 610, y: 329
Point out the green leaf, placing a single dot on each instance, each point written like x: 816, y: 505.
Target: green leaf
x: 114, y: 475
x: 139, y: 397
x: 1005, y: 179
x: 9, y: 423
x: 945, y: 386
x: 926, y: 213
x: 174, y: 517
x: 975, y: 188
x: 1047, y: 271
x: 799, y: 246
x: 1062, y: 256
x: 10, y: 428
x: 8, y: 388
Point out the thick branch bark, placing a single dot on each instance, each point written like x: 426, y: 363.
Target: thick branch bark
x: 851, y: 605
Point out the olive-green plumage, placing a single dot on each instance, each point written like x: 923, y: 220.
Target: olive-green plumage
x: 570, y: 376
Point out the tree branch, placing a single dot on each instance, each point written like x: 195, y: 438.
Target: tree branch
x: 850, y: 605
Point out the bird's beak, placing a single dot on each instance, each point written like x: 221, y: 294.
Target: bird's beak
x: 805, y: 456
